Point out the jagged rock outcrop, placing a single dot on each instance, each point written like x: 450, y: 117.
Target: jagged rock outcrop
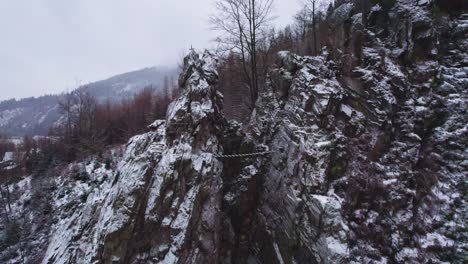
x: 369, y: 147
x: 362, y: 159
x: 297, y: 216
x: 163, y: 203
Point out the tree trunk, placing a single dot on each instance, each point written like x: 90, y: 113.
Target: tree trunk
x: 7, y: 218
x: 314, y: 27
x: 253, y: 55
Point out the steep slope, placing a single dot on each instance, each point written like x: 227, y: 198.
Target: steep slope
x: 369, y: 150
x: 28, y: 116
x: 163, y: 203
x: 34, y: 116
x: 359, y: 158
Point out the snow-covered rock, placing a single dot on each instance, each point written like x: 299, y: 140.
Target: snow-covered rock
x: 163, y: 203
x: 363, y: 159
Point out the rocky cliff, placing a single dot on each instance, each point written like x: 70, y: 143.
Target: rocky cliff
x: 354, y: 156
x: 163, y: 204
x: 369, y: 146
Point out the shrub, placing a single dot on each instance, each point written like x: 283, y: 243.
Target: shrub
x: 84, y: 197
x: 96, y: 165
x: 11, y: 235
x: 108, y: 164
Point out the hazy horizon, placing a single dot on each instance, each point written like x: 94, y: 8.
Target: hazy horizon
x: 50, y: 46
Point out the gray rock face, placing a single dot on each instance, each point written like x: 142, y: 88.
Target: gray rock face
x: 366, y: 162
x: 368, y: 155
x: 163, y: 205
x: 298, y: 217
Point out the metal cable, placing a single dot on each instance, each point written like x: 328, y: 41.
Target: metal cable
x: 243, y: 155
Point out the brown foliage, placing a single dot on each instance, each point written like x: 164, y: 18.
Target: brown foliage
x: 90, y: 126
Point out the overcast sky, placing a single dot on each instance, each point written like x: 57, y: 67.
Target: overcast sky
x: 49, y: 46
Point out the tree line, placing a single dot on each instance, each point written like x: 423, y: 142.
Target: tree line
x: 88, y: 127
x: 248, y: 42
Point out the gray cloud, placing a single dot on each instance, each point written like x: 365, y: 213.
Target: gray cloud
x: 48, y: 46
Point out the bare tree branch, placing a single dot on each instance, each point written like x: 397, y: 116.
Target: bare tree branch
x: 244, y: 25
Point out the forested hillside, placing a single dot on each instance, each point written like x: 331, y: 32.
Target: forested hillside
x: 35, y: 116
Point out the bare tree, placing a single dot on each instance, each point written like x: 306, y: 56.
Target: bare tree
x: 79, y: 110
x: 66, y: 104
x: 244, y: 24
x: 314, y: 25
x: 86, y: 105
x: 309, y: 26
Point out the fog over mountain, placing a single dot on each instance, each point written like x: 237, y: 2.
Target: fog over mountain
x: 34, y: 116
x: 49, y: 46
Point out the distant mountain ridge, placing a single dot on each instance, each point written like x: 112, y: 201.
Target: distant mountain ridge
x: 35, y: 115
x: 127, y: 84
